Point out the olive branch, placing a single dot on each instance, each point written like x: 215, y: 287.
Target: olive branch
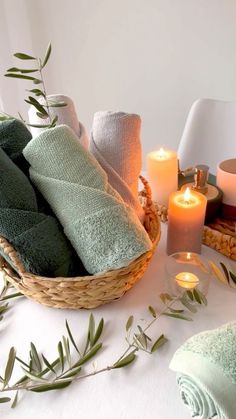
x: 42, y: 109
x: 41, y: 375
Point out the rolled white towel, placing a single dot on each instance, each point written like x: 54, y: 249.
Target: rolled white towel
x: 66, y: 115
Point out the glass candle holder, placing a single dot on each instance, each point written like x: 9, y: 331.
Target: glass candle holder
x: 186, y: 271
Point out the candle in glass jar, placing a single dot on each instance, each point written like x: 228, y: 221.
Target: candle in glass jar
x: 162, y: 167
x: 187, y: 280
x: 186, y: 214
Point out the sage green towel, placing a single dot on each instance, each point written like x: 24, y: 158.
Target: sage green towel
x: 36, y: 237
x: 206, y: 373
x: 104, y: 231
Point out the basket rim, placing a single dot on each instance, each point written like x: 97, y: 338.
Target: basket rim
x: 22, y: 274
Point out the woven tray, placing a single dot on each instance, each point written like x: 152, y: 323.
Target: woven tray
x: 87, y: 291
x: 220, y: 235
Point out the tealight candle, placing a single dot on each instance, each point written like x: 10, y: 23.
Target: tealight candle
x: 187, y: 280
x: 162, y: 167
x: 186, y: 215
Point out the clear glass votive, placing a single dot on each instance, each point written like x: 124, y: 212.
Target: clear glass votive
x: 186, y: 271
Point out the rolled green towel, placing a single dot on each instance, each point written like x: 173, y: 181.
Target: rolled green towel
x: 36, y: 237
x: 206, y: 373
x: 14, y: 136
x: 104, y: 231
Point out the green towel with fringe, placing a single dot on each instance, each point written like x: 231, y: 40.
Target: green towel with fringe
x: 35, y: 236
x: 104, y: 231
x: 206, y: 373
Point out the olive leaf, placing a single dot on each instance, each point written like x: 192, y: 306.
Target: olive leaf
x: 159, y: 342
x: 22, y: 76
x: 32, y: 101
x: 47, y: 55
x: 71, y: 337
x: 129, y: 323
x: 178, y: 316
x: 165, y: 297
x: 152, y: 311
x: 61, y: 354
x: 35, y: 358
x: 9, y: 366
x: 52, y: 386
x: 98, y: 332
x: 225, y: 271
x: 21, y: 70
x: 217, y: 272
x: 233, y: 277
x: 5, y: 399
x: 48, y: 365
x: 23, y: 56
x: 15, y: 400
x: 126, y: 360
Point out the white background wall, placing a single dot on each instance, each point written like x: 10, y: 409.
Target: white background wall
x: 152, y: 57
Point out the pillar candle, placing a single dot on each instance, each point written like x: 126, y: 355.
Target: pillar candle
x: 226, y: 181
x: 186, y: 215
x: 162, y: 169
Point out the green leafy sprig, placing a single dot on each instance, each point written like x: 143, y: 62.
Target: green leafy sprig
x: 41, y: 375
x: 42, y: 109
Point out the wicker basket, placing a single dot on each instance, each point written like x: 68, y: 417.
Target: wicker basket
x: 88, y: 291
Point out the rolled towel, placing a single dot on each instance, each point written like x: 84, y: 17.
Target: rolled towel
x: 115, y: 142
x: 206, y: 373
x: 66, y: 115
x: 36, y: 237
x: 13, y: 138
x: 104, y: 231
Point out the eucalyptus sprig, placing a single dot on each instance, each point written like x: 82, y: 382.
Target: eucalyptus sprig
x: 42, y: 109
x: 41, y: 375
x: 223, y: 274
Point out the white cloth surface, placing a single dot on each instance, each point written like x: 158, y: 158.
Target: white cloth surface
x: 144, y: 390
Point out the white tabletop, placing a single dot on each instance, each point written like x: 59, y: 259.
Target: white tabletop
x: 144, y: 390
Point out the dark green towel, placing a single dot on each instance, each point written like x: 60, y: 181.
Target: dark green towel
x: 36, y: 237
x: 14, y: 136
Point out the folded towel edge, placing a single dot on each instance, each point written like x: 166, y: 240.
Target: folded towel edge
x: 204, y: 373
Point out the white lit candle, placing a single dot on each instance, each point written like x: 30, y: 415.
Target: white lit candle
x: 162, y: 167
x: 187, y: 280
x: 186, y: 214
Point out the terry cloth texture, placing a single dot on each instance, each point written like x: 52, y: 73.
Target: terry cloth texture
x: 104, y: 231
x: 206, y: 373
x: 36, y: 237
x: 115, y: 142
x: 66, y: 115
x: 14, y: 136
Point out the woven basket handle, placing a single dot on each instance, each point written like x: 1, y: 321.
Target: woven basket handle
x: 9, y: 251
x: 148, y: 192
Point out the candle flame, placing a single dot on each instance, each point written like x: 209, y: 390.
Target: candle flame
x: 188, y: 255
x: 161, y: 153
x: 187, y: 195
